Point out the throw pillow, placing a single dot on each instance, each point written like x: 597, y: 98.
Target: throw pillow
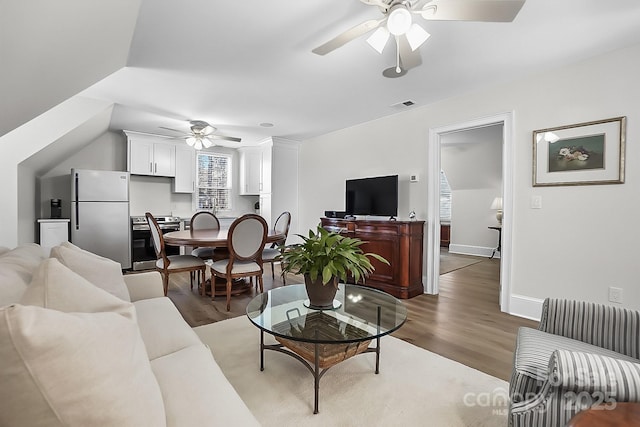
x: 16, y: 268
x: 75, y: 369
x: 102, y: 272
x: 55, y: 286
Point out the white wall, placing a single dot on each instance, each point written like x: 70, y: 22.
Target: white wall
x: 472, y: 162
x: 582, y: 241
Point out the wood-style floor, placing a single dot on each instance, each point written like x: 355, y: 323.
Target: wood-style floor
x: 463, y: 323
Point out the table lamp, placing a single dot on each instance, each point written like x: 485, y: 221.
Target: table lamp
x: 497, y: 206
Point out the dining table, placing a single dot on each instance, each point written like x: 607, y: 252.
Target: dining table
x: 215, y: 238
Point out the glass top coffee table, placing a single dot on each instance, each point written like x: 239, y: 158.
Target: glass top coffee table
x: 322, y: 338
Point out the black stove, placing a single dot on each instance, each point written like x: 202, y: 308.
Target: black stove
x: 143, y: 254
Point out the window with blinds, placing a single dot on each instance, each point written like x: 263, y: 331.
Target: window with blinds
x: 213, y: 182
x: 445, y: 198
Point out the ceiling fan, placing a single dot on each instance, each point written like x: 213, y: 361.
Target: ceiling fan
x: 202, y: 135
x: 397, y: 21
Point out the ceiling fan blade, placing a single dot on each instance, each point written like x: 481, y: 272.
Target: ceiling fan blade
x: 379, y: 3
x: 408, y: 59
x: 347, y: 36
x: 225, y: 138
x: 472, y: 10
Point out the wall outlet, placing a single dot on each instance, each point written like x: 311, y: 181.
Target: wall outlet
x: 615, y: 295
x: 414, y: 177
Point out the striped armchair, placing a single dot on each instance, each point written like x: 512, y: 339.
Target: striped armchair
x: 581, y: 355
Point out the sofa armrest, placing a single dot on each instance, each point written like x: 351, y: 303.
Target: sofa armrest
x: 609, y: 327
x: 144, y: 285
x: 578, y: 381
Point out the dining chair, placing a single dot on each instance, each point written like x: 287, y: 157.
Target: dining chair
x: 245, y: 241
x: 270, y: 254
x: 200, y: 221
x: 173, y: 263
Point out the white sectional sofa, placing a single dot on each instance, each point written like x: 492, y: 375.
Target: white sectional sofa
x: 83, y: 345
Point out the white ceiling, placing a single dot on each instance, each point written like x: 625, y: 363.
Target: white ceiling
x: 237, y: 64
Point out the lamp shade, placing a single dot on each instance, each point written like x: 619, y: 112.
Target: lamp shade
x: 497, y: 203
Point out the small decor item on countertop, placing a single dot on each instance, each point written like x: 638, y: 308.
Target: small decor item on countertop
x: 324, y: 259
x: 412, y: 215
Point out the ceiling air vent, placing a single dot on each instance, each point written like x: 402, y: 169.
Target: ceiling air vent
x: 404, y: 104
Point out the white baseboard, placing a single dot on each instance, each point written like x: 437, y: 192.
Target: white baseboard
x: 472, y: 250
x: 527, y: 307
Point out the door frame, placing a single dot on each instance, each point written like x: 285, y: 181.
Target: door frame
x: 433, y: 201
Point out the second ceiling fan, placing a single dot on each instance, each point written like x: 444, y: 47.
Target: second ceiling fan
x: 397, y: 21
x: 202, y: 135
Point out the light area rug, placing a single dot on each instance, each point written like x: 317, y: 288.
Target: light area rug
x: 414, y: 388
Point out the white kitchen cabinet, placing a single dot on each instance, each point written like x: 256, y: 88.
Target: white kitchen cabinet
x: 185, y: 176
x: 150, y: 155
x: 53, y: 232
x: 265, y: 169
x: 279, y: 176
x: 250, y: 170
x: 265, y: 209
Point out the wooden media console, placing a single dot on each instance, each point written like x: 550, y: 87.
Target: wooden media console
x: 399, y: 242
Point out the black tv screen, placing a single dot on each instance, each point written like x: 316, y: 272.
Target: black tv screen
x: 372, y: 196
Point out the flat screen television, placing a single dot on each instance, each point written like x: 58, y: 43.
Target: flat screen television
x: 377, y: 196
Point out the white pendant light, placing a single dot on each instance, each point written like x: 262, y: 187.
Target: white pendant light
x: 399, y: 20
x: 416, y: 36
x: 378, y: 40
x: 198, y: 145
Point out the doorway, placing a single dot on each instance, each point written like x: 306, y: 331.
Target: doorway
x: 433, y: 212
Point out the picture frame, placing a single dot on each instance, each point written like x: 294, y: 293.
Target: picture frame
x: 589, y: 153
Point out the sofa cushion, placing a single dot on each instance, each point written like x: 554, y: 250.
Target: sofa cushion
x: 74, y: 369
x: 55, y: 286
x: 195, y: 389
x: 16, y: 268
x: 162, y: 327
x: 100, y: 271
x: 532, y: 357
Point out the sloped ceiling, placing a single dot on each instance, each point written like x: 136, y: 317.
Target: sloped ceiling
x: 51, y: 50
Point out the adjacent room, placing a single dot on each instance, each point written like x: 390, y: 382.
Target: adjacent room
x: 337, y: 213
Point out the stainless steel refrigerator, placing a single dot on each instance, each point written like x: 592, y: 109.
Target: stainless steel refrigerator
x: 100, y: 213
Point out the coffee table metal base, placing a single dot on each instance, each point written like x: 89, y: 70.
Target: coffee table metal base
x: 315, y: 369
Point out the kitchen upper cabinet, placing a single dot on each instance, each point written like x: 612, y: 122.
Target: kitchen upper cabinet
x: 150, y: 155
x: 250, y: 170
x: 265, y: 169
x: 185, y: 179
x: 279, y: 179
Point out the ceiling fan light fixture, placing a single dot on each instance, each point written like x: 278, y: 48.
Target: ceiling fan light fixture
x: 191, y: 141
x: 207, y: 143
x: 399, y: 20
x: 378, y: 40
x: 208, y: 129
x: 198, y: 144
x: 416, y: 36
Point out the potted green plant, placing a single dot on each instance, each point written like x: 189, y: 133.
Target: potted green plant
x: 324, y: 258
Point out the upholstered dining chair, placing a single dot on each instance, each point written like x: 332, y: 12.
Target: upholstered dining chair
x: 173, y: 263
x: 270, y: 254
x: 200, y: 221
x: 245, y: 241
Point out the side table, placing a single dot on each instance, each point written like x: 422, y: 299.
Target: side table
x: 497, y: 249
x: 624, y: 414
